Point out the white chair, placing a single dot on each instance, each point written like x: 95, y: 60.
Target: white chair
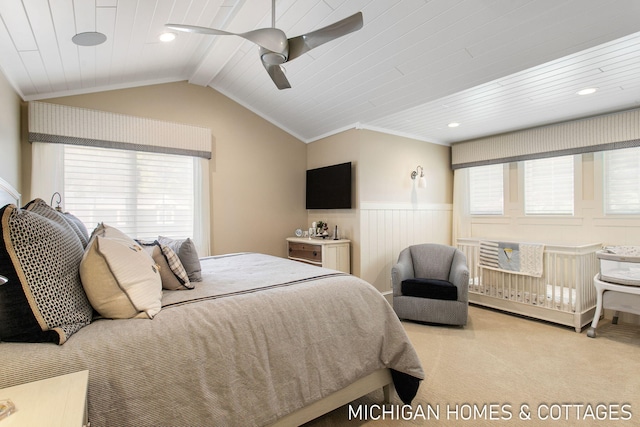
x: 615, y: 297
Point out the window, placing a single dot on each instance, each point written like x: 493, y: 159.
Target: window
x: 486, y: 190
x: 622, y: 181
x: 548, y: 186
x: 142, y: 194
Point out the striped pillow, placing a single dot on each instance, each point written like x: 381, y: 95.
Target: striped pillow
x: 186, y: 251
x: 172, y: 272
x: 121, y: 280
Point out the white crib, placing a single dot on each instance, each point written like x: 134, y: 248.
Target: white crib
x: 564, y: 294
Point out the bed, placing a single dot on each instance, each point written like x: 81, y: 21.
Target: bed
x: 261, y: 340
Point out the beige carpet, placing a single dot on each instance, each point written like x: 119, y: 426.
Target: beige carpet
x: 500, y: 363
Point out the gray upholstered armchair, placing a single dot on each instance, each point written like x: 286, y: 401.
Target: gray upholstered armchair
x: 431, y: 284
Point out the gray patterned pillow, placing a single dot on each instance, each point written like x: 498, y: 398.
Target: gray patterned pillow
x: 40, y: 254
x: 41, y: 207
x: 81, y: 229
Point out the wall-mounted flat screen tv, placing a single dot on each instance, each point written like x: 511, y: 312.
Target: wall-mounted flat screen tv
x: 329, y: 187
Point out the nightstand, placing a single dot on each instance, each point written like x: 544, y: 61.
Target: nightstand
x: 334, y: 254
x: 58, y: 401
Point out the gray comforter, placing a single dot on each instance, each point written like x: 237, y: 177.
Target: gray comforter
x: 259, y: 338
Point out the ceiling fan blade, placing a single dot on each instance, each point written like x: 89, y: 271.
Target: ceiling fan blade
x: 198, y: 30
x: 277, y: 75
x: 273, y: 39
x: 304, y: 43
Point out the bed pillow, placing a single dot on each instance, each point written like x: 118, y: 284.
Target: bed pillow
x: 172, y: 273
x: 41, y: 207
x: 43, y: 301
x: 82, y: 231
x: 186, y: 250
x: 121, y: 280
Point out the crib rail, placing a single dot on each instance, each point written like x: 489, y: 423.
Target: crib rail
x: 566, y: 285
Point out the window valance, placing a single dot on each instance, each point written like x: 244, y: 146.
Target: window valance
x: 601, y: 133
x: 55, y: 123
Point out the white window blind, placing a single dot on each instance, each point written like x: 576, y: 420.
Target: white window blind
x: 142, y: 194
x: 548, y: 186
x: 486, y: 190
x: 622, y: 181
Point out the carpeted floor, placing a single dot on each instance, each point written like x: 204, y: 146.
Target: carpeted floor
x: 506, y: 370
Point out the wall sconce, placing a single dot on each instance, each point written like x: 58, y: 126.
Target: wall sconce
x: 58, y: 208
x: 422, y: 182
x: 3, y: 280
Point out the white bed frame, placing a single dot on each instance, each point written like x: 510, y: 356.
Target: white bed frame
x: 8, y: 194
x: 378, y: 379
x: 564, y: 294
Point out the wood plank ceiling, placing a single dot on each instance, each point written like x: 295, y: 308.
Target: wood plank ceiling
x: 417, y: 65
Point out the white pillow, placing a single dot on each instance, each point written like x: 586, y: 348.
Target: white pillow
x: 120, y: 279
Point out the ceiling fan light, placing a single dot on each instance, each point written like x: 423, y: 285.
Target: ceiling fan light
x: 273, y: 58
x: 167, y: 37
x: 587, y: 91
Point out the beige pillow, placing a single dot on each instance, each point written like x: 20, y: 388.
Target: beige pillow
x: 120, y: 279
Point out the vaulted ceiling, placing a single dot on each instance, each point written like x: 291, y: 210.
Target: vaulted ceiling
x: 417, y: 65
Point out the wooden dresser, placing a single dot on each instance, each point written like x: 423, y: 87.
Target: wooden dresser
x: 334, y: 254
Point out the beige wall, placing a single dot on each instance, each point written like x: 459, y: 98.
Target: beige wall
x: 387, y: 163
x: 340, y: 148
x: 384, y: 163
x: 390, y: 212
x: 9, y: 134
x: 257, y: 170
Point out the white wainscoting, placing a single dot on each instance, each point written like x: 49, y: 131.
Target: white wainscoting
x: 387, y: 228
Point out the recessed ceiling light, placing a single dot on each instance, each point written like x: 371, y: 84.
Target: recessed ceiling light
x: 91, y: 38
x: 167, y: 37
x: 453, y: 124
x: 587, y: 91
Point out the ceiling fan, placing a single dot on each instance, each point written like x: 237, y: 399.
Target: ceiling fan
x: 275, y: 48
